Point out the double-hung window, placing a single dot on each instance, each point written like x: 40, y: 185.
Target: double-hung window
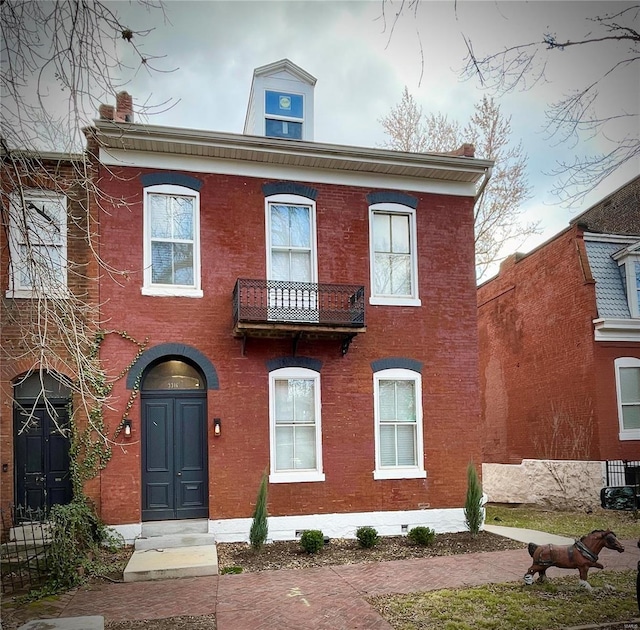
x: 291, y: 258
x: 171, y: 241
x: 628, y: 392
x: 393, y: 253
x: 398, y: 424
x: 295, y: 426
x: 38, y: 245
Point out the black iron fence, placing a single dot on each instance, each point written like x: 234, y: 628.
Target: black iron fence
x: 24, y: 548
x: 622, y: 490
x: 262, y: 301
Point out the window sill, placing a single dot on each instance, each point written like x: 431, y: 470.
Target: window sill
x: 172, y: 292
x: 400, y: 473
x: 296, y: 477
x: 632, y: 434
x: 390, y: 301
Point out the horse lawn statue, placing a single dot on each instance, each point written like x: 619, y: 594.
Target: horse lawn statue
x: 582, y: 555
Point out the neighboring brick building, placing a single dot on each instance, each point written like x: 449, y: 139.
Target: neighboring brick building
x: 559, y: 332
x: 45, y: 228
x: 308, y: 310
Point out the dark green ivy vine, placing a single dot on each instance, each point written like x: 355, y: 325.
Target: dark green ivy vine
x: 91, y: 449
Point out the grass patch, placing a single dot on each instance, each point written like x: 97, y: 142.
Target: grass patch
x: 626, y: 525
x: 553, y: 605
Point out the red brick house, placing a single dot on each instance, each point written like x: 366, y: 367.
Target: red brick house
x: 559, y: 332
x: 44, y: 251
x: 308, y: 310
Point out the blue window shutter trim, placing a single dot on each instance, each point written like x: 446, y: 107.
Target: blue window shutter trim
x: 391, y: 363
x: 390, y: 196
x: 299, y: 362
x: 177, y: 179
x: 289, y: 188
x: 168, y: 350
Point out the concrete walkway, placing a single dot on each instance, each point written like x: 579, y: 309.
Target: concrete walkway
x: 331, y: 598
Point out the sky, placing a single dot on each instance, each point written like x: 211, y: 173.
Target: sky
x: 362, y: 62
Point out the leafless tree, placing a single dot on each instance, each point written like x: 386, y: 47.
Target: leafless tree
x: 59, y: 60
x: 613, y: 37
x: 577, y: 114
x: 498, y: 209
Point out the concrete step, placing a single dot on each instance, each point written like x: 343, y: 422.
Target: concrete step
x: 167, y: 528
x: 30, y: 533
x: 154, y: 564
x: 174, y: 540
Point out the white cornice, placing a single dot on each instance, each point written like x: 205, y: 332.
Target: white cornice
x: 288, y: 153
x: 289, y: 66
x: 610, y: 238
x: 610, y: 329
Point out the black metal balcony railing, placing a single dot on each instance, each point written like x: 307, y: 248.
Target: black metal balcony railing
x: 305, y: 303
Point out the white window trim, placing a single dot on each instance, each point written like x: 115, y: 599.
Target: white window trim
x: 399, y: 472
x: 625, y: 362
x: 280, y: 117
x: 295, y: 476
x: 390, y: 300
x: 171, y: 290
x: 630, y: 277
x: 14, y: 290
x: 292, y: 200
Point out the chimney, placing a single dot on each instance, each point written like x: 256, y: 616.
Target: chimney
x: 124, y: 107
x: 465, y: 150
x: 106, y: 112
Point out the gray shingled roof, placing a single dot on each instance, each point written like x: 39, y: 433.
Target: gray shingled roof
x: 611, y: 296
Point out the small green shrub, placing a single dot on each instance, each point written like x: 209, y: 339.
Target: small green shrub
x: 232, y: 570
x: 473, y: 513
x: 312, y: 540
x: 77, y: 536
x: 259, y: 526
x: 423, y: 536
x: 367, y: 537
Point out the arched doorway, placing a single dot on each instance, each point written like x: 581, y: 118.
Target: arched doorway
x: 174, y: 442
x: 41, y: 441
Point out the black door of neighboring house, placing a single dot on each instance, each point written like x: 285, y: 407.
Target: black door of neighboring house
x: 42, y: 457
x: 174, y: 455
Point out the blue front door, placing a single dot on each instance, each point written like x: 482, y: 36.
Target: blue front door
x: 174, y: 456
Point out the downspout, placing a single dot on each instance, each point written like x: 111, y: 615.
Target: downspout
x: 487, y: 177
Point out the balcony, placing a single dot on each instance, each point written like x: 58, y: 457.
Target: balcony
x: 276, y: 309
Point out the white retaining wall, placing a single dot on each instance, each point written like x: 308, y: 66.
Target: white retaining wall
x: 557, y: 484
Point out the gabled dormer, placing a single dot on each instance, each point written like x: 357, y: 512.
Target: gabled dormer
x: 281, y: 102
x: 629, y: 261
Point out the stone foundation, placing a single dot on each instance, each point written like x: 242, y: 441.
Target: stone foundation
x: 545, y: 483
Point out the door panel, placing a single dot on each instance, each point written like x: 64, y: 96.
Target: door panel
x: 174, y: 458
x: 42, y: 459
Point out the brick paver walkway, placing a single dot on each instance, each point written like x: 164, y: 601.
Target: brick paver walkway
x: 320, y: 598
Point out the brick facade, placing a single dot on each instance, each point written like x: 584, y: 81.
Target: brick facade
x: 547, y: 388
x: 19, y: 317
x: 441, y: 335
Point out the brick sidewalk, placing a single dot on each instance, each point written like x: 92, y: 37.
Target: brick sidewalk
x: 320, y: 598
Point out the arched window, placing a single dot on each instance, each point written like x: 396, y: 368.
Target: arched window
x: 398, y: 424
x: 171, y: 241
x: 394, y: 254
x: 295, y: 425
x: 628, y: 390
x: 173, y: 374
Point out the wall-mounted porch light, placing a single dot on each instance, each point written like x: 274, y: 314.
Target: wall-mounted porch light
x: 127, y: 426
x: 217, y: 426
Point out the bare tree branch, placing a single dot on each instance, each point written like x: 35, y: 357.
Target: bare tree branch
x: 498, y: 210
